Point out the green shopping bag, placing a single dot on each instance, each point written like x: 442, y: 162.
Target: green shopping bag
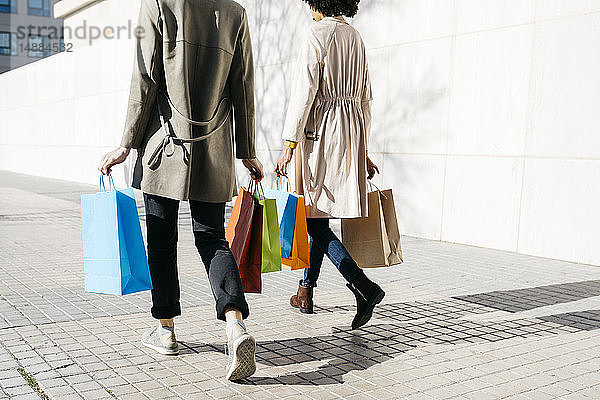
x: 271, y: 248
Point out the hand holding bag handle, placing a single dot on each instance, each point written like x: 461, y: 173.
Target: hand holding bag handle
x: 111, y: 184
x: 260, y: 191
x: 279, y: 183
x: 253, y: 188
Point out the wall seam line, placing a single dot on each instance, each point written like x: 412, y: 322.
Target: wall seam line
x: 530, y: 101
x: 450, y: 87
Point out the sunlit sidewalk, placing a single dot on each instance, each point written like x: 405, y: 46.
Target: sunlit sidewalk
x: 457, y: 322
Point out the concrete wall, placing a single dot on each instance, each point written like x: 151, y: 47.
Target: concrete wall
x: 62, y: 112
x: 19, y: 23
x: 486, y: 113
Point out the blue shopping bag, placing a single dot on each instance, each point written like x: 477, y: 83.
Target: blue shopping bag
x: 286, y: 213
x: 114, y: 256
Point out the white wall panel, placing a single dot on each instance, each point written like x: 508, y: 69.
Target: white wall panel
x: 272, y: 87
x: 565, y: 112
x: 417, y: 183
x: 379, y: 66
x: 417, y: 108
x: 416, y: 20
x: 490, y: 90
x: 374, y: 21
x: 475, y: 15
x: 560, y: 216
x: 481, y: 201
x: 547, y: 9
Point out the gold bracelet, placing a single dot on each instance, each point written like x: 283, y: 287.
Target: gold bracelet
x: 290, y: 144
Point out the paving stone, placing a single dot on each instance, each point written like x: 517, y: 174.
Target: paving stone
x: 97, y: 394
x: 13, y: 382
x: 29, y: 396
x: 86, y: 386
x: 17, y: 390
x: 456, y: 322
x: 133, y: 396
x: 9, y: 374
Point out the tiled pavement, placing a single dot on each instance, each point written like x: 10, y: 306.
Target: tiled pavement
x: 457, y: 322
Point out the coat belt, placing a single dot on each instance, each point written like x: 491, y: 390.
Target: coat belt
x: 167, y: 145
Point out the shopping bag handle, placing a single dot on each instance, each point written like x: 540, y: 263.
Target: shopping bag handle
x: 279, y: 182
x: 253, y: 188
x: 111, y: 184
x: 260, y: 191
x: 379, y: 190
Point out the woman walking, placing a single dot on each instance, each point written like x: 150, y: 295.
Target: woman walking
x: 193, y: 77
x: 329, y: 118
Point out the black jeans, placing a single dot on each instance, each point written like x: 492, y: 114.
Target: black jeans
x: 323, y: 241
x: 208, y: 220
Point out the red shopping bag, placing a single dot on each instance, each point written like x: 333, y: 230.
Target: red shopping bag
x: 244, y: 234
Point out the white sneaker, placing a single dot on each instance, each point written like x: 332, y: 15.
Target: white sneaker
x: 164, y: 344
x: 241, y: 348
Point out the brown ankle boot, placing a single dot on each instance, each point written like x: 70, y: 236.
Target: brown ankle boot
x: 303, y: 300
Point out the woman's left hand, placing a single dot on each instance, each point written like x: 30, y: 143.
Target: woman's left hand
x: 371, y: 169
x: 284, y: 160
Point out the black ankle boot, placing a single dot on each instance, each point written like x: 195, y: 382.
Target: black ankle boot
x: 368, y: 294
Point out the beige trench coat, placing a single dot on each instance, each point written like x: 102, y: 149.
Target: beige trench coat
x: 199, y: 54
x: 330, y: 115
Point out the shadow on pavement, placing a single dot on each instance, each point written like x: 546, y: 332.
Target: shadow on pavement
x: 414, y: 324
x: 530, y: 298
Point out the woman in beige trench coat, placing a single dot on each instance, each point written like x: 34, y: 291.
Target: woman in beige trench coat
x: 191, y: 102
x: 329, y: 118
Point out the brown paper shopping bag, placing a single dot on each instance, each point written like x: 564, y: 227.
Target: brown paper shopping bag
x: 374, y: 241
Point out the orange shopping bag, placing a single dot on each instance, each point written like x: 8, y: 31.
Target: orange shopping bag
x: 299, y: 258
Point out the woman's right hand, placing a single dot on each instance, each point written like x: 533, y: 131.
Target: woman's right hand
x: 284, y: 160
x: 255, y: 167
x: 111, y: 159
x: 371, y: 168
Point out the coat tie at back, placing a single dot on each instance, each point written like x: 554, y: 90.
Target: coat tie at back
x: 167, y: 145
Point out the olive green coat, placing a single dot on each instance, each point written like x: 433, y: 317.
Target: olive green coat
x: 194, y: 68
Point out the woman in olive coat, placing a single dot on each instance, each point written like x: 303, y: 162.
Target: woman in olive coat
x: 190, y: 114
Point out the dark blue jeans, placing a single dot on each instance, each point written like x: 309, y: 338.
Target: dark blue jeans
x: 208, y: 224
x: 323, y: 241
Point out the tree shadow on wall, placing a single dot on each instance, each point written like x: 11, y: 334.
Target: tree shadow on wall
x: 278, y: 29
x: 417, y: 324
x: 411, y: 124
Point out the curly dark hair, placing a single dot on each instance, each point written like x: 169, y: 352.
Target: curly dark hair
x: 332, y: 8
